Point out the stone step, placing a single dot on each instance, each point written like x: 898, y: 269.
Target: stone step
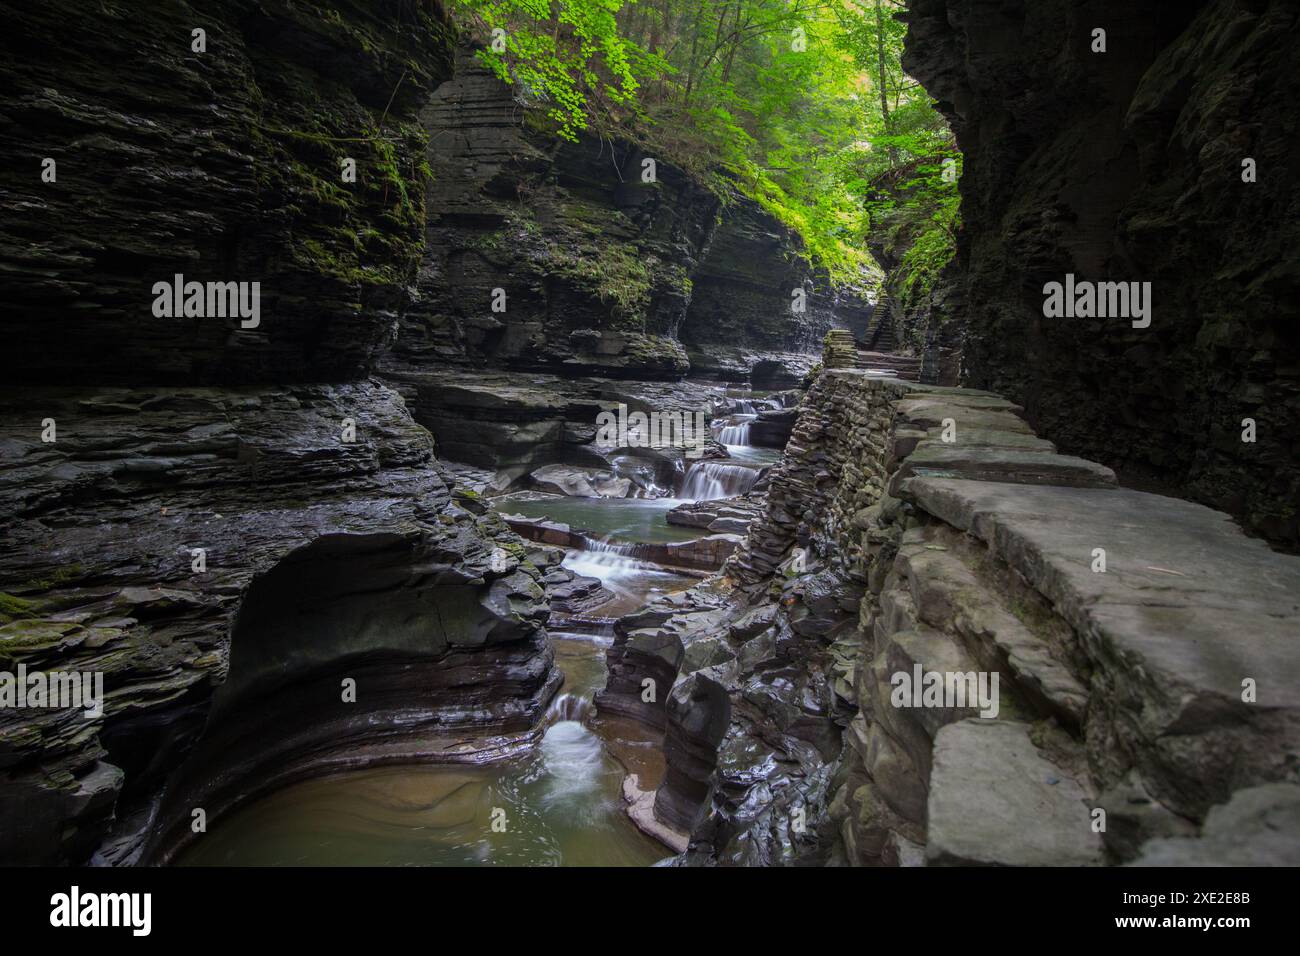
x: 1189, y: 617
x: 904, y: 366
x: 888, y: 359
x: 915, y: 728
x: 938, y: 566
x: 983, y: 463
x: 996, y: 800
x: 880, y: 336
x: 960, y: 415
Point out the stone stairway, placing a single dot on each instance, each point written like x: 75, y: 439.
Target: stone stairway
x: 875, y: 353
x: 949, y: 784
x: 904, y: 366
x: 880, y: 336
x: 1129, y: 695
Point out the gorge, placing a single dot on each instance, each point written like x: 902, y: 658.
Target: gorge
x: 420, y: 557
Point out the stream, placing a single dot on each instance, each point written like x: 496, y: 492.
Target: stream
x: 562, y: 800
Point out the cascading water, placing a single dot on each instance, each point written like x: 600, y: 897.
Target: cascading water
x: 619, y: 566
x: 568, y: 706
x: 710, y: 480
x: 606, y: 546
x: 736, y: 430
x: 602, y: 558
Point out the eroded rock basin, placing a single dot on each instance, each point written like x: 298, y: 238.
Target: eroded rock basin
x: 561, y: 801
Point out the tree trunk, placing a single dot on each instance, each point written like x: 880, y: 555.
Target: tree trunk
x: 880, y: 64
x: 695, y: 43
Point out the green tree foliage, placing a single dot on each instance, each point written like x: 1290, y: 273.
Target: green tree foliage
x: 803, y: 104
x: 567, y: 54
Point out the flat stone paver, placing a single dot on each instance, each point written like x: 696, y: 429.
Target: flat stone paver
x: 995, y: 801
x: 1186, y: 594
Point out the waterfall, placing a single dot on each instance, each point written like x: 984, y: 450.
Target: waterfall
x: 568, y: 707
x: 611, y: 561
x: 709, y: 480
x: 735, y: 434
x: 605, y: 546
x: 612, y: 550
x: 737, y: 431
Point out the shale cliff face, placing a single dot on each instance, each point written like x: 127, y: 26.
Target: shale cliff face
x: 745, y: 321
x: 548, y: 255
x: 1127, y: 165
x: 221, y: 165
x: 592, y: 263
x: 271, y: 578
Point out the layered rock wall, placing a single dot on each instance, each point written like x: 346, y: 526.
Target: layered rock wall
x: 593, y: 263
x: 744, y: 321
x: 1127, y: 165
x: 549, y: 255
x: 220, y: 165
x: 137, y: 546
